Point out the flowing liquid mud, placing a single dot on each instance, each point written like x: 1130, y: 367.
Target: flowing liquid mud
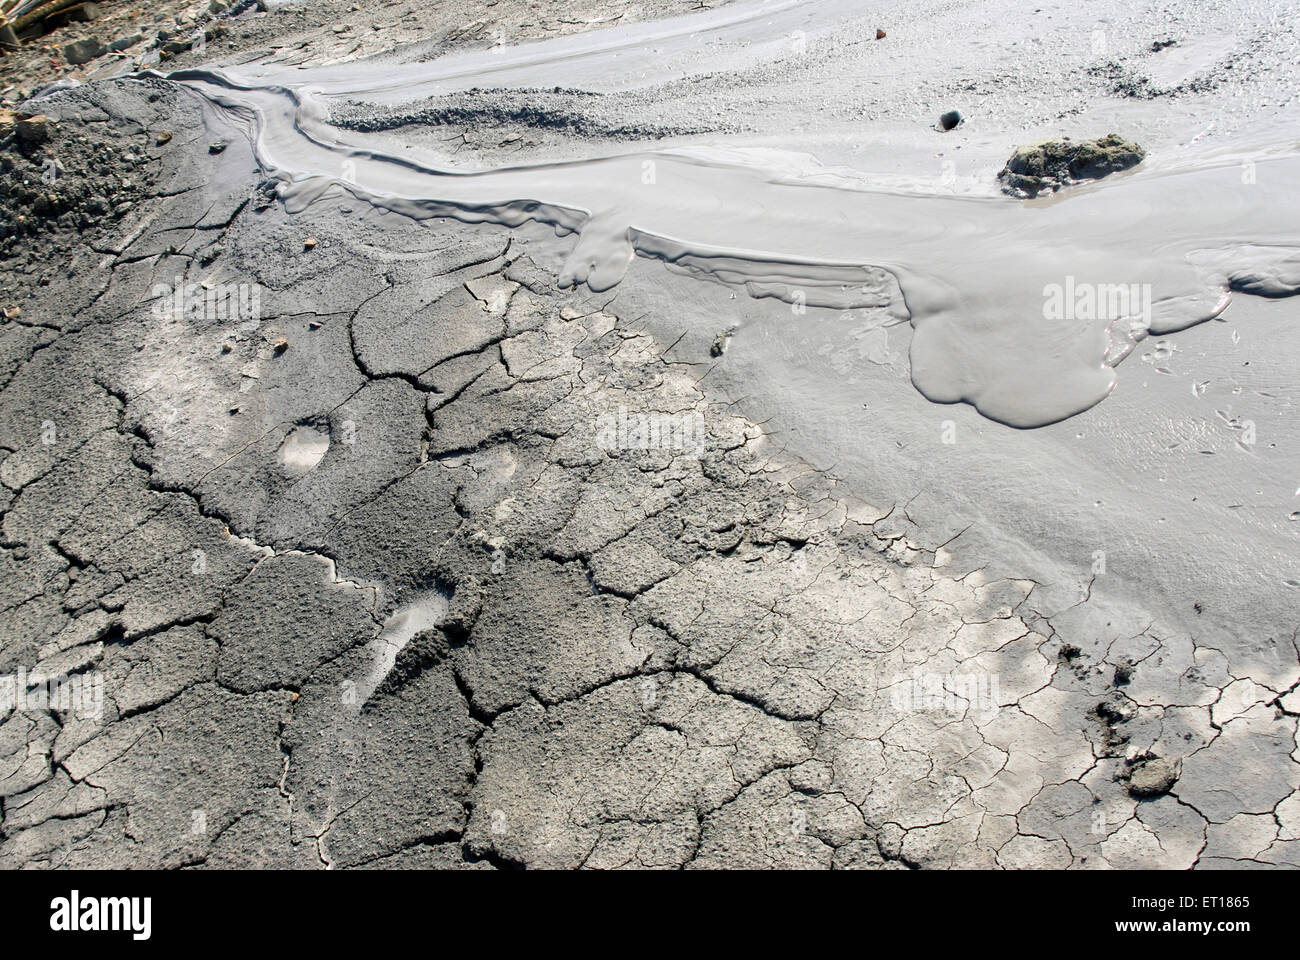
x: 1022, y: 309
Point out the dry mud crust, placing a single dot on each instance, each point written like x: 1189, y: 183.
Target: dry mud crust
x: 701, y: 654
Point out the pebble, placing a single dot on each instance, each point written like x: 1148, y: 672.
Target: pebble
x: 82, y: 51
x: 33, y: 129
x: 123, y: 43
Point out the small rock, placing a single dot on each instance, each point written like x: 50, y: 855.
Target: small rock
x: 280, y: 346
x: 33, y: 129
x: 82, y: 51
x: 124, y: 43
x: 880, y: 34
x: 309, y: 243
x: 13, y: 313
x: 1152, y: 778
x: 950, y: 120
x: 164, y: 136
x: 217, y: 147
x: 1052, y: 164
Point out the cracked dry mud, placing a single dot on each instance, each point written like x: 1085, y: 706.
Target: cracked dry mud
x: 365, y: 596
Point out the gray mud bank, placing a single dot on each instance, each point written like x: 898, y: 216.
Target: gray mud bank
x: 365, y: 504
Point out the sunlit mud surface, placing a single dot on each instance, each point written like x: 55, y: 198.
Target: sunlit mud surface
x: 660, y: 445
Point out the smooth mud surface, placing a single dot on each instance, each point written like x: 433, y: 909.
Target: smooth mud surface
x: 611, y: 443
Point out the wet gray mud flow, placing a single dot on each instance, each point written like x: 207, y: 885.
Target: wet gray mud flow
x: 449, y: 544
x: 1022, y: 310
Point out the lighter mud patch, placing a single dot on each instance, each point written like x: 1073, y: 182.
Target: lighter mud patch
x: 423, y: 613
x: 303, y: 449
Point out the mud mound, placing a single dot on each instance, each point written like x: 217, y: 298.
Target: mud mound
x: 572, y: 113
x: 64, y: 179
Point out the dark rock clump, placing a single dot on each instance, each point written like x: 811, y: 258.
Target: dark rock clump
x: 1052, y: 164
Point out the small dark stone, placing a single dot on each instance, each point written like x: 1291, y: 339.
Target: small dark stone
x: 82, y: 51
x: 84, y: 13
x: 1113, y: 712
x: 124, y: 43
x: 33, y: 129
x: 950, y: 119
